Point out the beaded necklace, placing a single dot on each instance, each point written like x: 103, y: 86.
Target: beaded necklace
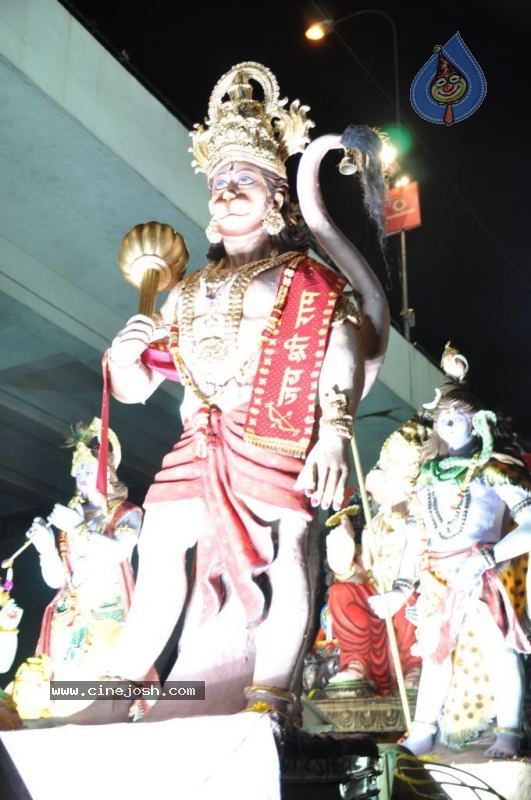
x: 453, y: 524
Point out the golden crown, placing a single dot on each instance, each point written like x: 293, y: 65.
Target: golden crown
x: 242, y: 128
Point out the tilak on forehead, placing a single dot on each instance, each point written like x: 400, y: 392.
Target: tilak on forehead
x: 240, y: 127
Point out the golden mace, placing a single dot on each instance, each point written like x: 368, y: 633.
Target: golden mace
x: 152, y: 258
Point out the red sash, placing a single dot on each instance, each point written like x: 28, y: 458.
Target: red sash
x: 282, y: 409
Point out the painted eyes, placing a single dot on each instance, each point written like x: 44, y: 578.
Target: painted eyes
x: 242, y: 180
x: 453, y: 79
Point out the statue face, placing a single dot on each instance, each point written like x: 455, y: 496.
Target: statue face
x: 454, y: 426
x: 85, y: 474
x: 239, y: 198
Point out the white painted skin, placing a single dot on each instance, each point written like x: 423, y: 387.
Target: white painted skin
x: 483, y: 526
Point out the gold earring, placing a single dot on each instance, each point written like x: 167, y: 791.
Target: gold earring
x: 274, y: 221
x: 212, y: 231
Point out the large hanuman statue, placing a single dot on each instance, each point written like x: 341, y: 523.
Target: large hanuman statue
x: 274, y: 358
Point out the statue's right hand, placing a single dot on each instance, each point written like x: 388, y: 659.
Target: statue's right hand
x: 387, y: 603
x: 41, y: 536
x: 129, y: 343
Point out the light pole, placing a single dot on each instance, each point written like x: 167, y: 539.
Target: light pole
x: 318, y: 31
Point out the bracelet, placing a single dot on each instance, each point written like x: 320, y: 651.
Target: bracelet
x: 403, y: 584
x: 335, y: 417
x: 488, y: 555
x: 343, y: 426
x: 510, y: 731
x: 342, y: 577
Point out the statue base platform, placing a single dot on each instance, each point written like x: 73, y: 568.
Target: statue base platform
x: 201, y: 757
x: 404, y: 776
x: 346, y: 712
x: 237, y: 756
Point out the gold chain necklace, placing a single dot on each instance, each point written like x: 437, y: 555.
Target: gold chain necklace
x: 238, y: 288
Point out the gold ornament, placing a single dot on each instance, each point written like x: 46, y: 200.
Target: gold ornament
x: 454, y: 363
x: 334, y: 405
x: 30, y: 689
x: 212, y: 231
x: 274, y: 221
x: 82, y: 437
x: 152, y: 258
x: 241, y: 128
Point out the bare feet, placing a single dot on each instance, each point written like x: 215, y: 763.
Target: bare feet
x: 354, y: 671
x: 420, y: 738
x: 506, y: 745
x: 351, y: 681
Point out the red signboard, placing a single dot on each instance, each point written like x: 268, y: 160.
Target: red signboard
x: 402, y: 210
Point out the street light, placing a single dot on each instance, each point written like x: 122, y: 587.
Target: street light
x: 318, y: 31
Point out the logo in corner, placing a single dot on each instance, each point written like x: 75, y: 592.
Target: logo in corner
x: 450, y: 86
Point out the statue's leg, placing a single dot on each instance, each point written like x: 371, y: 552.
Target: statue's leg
x: 279, y: 639
x: 361, y: 636
x: 505, y: 670
x: 168, y: 531
x: 432, y: 691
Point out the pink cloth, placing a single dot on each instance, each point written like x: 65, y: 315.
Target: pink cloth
x: 236, y: 544
x: 450, y: 612
x: 158, y: 357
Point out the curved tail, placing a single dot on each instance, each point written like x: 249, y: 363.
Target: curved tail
x: 376, y: 318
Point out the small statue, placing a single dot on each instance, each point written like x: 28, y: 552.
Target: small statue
x: 470, y: 514
x: 366, y: 666
x: 91, y: 569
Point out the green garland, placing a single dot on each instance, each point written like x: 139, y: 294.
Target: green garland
x: 454, y: 468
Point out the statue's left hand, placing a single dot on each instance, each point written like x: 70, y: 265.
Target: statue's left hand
x: 324, y: 475
x: 64, y: 518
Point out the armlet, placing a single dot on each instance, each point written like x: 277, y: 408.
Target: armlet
x: 346, y: 308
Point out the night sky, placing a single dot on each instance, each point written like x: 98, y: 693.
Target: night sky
x: 469, y: 277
